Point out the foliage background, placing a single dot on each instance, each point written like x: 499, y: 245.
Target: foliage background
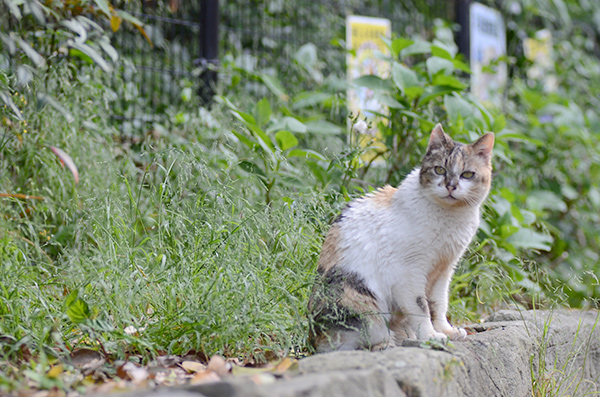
x: 201, y: 228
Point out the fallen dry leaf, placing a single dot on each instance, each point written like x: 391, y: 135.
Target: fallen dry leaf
x: 263, y: 378
x: 193, y: 366
x: 247, y: 371
x: 205, y: 377
x: 168, y: 360
x: 284, y: 365
x: 55, y: 371
x: 87, y: 360
x: 218, y: 365
x: 135, y: 373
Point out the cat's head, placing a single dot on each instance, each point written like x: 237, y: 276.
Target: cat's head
x: 454, y: 174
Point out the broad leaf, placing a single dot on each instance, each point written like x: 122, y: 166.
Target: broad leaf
x: 274, y: 85
x: 373, y: 82
x: 404, y: 77
x: 323, y: 127
x: 306, y: 153
x: 252, y: 168
x: 32, y: 54
x: 286, y: 140
x: 530, y: 239
x: 437, y: 65
x: 94, y: 56
x: 263, y: 111
x: 308, y: 99
x: 399, y: 44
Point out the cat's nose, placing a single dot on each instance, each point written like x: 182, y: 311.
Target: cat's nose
x: 451, y: 188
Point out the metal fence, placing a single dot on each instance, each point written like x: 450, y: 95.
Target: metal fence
x: 172, y: 60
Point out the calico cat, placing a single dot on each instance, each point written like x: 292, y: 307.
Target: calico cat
x: 387, y: 261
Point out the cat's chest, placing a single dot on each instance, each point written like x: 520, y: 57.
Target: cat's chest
x: 433, y: 237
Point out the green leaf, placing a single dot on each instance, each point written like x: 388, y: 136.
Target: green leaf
x: 274, y: 85
x: 460, y: 65
x: 449, y: 81
x: 94, y: 55
x: 76, y: 27
x: 418, y: 47
x: 72, y: 297
x: 36, y: 11
x: 309, y: 99
x: 129, y: 18
x: 285, y: 140
x: 499, y: 124
x: 305, y: 153
x: 531, y: 239
x: 373, y: 82
x: 457, y: 107
x: 245, y: 118
x: 437, y: 65
x: 45, y: 99
x: 104, y: 43
x: 252, y: 168
x: 32, y: 54
x: 245, y: 140
x: 103, y: 6
x: 79, y: 311
x: 437, y: 51
x: 433, y: 92
x: 540, y: 200
x: 9, y: 102
x: 323, y: 127
x: 388, y: 101
x: 404, y: 77
x: 399, y: 44
x: 263, y: 139
x: 14, y: 8
x: 413, y: 92
x: 263, y: 111
x: 290, y: 124
x: 9, y: 42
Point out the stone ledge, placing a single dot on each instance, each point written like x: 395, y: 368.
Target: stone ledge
x: 498, y: 359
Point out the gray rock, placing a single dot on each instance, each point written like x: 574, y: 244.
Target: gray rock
x: 511, y: 354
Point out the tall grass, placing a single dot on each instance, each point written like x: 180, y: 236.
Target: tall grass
x: 157, y: 235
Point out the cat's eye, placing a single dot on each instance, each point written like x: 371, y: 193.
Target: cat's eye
x: 439, y: 170
x: 467, y: 175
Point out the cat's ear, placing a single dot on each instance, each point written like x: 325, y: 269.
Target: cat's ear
x: 438, y: 137
x: 484, y: 145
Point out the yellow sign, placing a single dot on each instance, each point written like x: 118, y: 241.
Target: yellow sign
x: 364, y: 40
x: 539, y: 51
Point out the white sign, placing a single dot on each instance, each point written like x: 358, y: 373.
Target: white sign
x: 487, y: 36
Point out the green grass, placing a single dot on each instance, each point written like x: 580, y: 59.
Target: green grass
x: 157, y: 235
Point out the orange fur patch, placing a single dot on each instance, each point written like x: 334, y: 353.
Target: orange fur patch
x: 439, y: 269
x: 330, y: 254
x: 360, y: 303
x: 384, y: 196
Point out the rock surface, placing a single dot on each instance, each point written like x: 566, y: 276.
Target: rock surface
x: 512, y: 354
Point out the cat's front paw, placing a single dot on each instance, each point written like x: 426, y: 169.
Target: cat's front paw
x: 436, y: 335
x: 457, y: 333
x: 450, y: 330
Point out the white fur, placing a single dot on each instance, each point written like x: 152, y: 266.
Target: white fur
x: 395, y: 247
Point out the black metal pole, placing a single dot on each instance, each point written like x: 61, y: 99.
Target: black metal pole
x: 462, y: 18
x: 209, y: 48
